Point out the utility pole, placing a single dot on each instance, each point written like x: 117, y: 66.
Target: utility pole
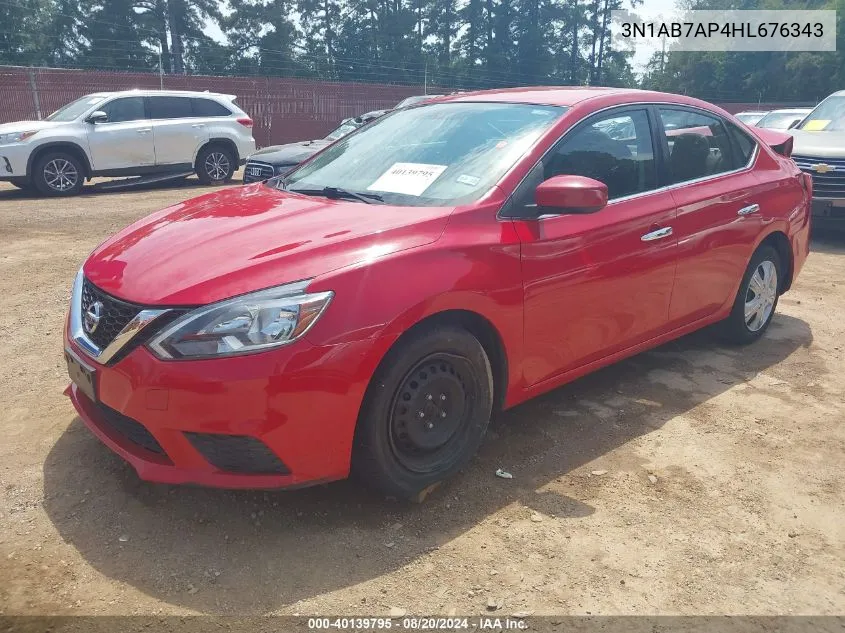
x: 160, y: 69
x: 425, y: 78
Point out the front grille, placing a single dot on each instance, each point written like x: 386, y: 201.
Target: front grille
x: 257, y: 171
x: 238, y: 453
x: 130, y: 429
x: 827, y: 185
x: 114, y: 314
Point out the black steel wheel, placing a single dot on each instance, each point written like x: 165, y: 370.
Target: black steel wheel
x: 425, y: 413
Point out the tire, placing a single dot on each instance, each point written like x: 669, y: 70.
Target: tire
x: 22, y: 183
x: 215, y: 165
x: 762, y: 278
x: 442, y: 373
x: 58, y: 174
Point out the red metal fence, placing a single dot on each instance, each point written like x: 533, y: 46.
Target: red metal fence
x: 284, y: 110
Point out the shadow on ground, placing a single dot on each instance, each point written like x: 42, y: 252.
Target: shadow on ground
x: 91, y: 190
x: 272, y: 549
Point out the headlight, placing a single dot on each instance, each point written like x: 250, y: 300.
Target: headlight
x: 16, y: 137
x: 245, y: 324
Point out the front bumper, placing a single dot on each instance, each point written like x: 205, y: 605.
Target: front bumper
x: 299, y: 403
x: 828, y: 211
x: 13, y: 160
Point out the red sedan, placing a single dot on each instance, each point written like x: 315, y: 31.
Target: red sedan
x: 368, y: 312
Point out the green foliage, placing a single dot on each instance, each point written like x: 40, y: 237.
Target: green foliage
x: 761, y: 76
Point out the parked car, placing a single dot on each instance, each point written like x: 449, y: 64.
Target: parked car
x: 280, y: 159
x: 751, y: 117
x: 819, y: 150
x: 128, y: 133
x: 783, y: 119
x: 368, y: 312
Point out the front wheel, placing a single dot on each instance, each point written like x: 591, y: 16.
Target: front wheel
x: 58, y: 174
x: 756, y: 299
x: 215, y: 165
x: 425, y: 413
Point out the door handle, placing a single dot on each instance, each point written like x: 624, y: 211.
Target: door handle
x: 752, y: 208
x: 145, y: 130
x: 659, y: 234
x: 198, y: 125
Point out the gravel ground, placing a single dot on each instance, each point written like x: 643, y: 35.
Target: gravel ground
x: 693, y: 479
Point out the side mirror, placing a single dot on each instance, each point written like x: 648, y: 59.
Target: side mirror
x: 98, y: 116
x: 571, y: 194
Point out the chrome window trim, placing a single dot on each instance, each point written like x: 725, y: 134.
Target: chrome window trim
x: 77, y: 331
x: 748, y: 166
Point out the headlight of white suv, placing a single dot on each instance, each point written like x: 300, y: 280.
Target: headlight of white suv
x: 249, y: 323
x: 16, y: 137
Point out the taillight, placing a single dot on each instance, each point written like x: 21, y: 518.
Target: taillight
x: 245, y: 121
x: 807, y: 182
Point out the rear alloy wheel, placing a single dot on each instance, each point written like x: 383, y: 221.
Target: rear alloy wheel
x: 215, y: 165
x: 757, y: 298
x: 425, y: 413
x: 58, y: 174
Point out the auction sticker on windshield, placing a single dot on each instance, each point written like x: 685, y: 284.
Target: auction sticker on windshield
x: 409, y: 178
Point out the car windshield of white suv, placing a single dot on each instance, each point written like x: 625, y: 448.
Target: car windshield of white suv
x: 829, y: 116
x: 74, y: 109
x: 435, y: 155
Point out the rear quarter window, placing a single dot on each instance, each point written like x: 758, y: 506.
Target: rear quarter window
x: 208, y: 107
x: 743, y: 144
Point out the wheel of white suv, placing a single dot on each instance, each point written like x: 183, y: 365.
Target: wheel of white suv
x: 58, y: 174
x: 215, y: 164
x: 22, y: 183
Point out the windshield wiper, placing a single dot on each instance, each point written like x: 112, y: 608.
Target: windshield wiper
x: 337, y: 193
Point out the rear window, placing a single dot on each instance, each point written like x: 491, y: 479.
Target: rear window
x: 208, y: 107
x: 170, y: 108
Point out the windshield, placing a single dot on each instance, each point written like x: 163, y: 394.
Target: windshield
x: 779, y: 120
x: 74, y: 109
x: 829, y: 116
x: 436, y: 155
x: 342, y: 131
x: 750, y: 118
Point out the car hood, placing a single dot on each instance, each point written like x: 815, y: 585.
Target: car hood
x: 248, y: 238
x: 25, y: 126
x: 818, y: 144
x: 291, y: 153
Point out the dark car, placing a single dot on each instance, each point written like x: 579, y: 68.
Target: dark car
x: 280, y: 159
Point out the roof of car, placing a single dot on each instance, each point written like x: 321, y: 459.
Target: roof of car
x: 791, y: 111
x: 561, y: 95
x: 146, y: 92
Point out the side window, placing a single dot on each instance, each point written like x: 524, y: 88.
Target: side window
x: 125, y: 109
x: 170, y: 108
x: 616, y: 150
x: 743, y: 144
x: 698, y: 145
x: 207, y: 107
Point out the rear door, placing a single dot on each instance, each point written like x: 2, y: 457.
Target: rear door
x: 721, y: 207
x: 125, y: 140
x: 597, y: 283
x: 177, y: 131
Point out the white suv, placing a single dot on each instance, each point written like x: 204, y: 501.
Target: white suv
x: 129, y: 133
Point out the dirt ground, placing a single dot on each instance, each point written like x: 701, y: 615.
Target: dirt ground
x: 694, y: 479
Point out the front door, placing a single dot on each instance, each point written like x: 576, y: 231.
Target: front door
x: 597, y: 283
x: 125, y: 140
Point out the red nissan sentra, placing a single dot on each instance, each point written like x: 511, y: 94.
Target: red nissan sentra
x: 368, y: 312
